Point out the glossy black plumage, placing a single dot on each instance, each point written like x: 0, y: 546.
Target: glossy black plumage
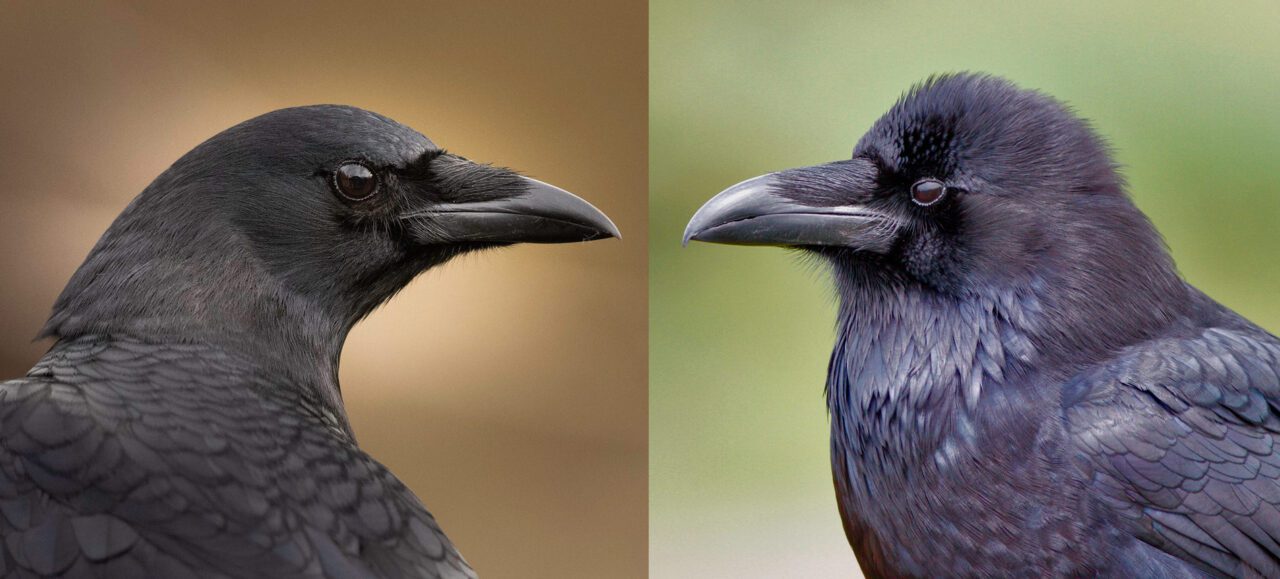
x: 1022, y: 384
x: 122, y: 458
x: 188, y: 421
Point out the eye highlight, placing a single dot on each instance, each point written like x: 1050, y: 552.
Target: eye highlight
x: 355, y: 181
x: 926, y: 192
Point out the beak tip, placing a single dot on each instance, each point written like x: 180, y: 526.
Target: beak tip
x: 611, y: 231
x: 576, y: 213
x: 724, y: 208
x: 689, y: 235
x: 601, y: 227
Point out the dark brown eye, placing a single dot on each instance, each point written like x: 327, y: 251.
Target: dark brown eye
x: 355, y: 181
x: 926, y: 192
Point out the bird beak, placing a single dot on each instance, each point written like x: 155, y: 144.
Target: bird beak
x: 754, y: 212
x: 535, y: 212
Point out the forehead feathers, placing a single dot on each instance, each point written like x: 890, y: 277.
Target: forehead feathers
x: 985, y: 131
x: 313, y: 135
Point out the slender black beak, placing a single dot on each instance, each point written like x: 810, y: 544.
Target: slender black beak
x: 535, y: 213
x: 755, y: 212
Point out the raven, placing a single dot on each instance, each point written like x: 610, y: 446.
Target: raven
x: 187, y: 422
x: 1022, y: 384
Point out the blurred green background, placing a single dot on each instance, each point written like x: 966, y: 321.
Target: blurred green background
x: 1186, y: 93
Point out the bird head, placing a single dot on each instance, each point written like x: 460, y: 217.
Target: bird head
x: 317, y: 212
x: 968, y: 187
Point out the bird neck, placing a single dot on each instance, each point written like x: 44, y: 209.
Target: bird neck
x: 207, y: 291
x: 913, y: 368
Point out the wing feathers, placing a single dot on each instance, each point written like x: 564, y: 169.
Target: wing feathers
x: 136, y: 460
x: 1184, y: 431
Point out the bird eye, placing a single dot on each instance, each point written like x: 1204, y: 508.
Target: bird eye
x: 355, y: 181
x: 926, y: 192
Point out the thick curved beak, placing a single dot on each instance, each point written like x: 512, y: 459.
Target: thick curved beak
x: 536, y: 213
x: 754, y: 212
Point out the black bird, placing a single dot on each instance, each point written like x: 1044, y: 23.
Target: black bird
x: 188, y: 422
x: 1022, y: 384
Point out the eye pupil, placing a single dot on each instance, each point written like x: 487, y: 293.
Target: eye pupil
x: 355, y: 181
x: 926, y: 192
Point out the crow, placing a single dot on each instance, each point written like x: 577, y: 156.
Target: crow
x: 187, y: 421
x: 1022, y: 384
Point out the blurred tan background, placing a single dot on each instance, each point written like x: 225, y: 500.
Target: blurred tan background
x: 507, y: 389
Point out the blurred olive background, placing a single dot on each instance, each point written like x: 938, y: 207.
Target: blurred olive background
x: 507, y: 388
x: 1186, y: 92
